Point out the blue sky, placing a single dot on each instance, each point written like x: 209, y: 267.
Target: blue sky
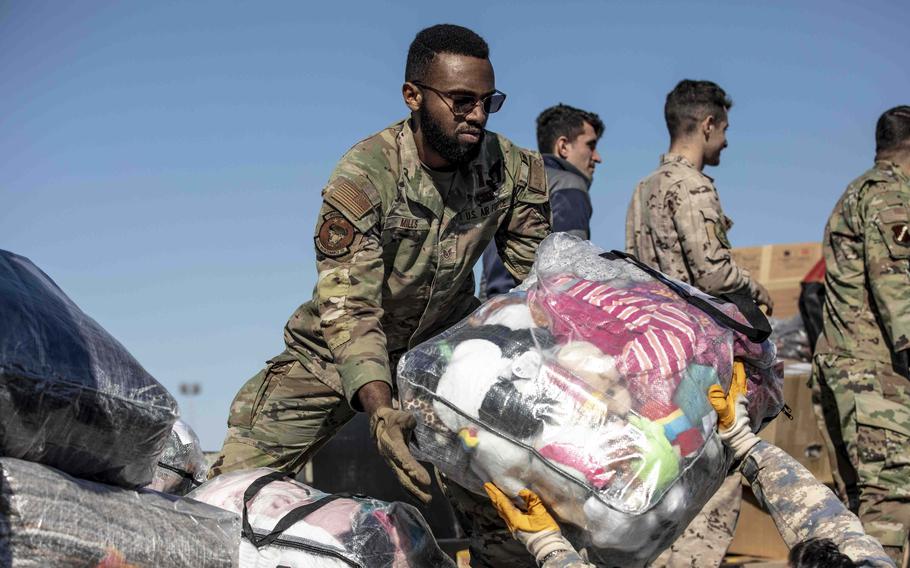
x: 163, y: 160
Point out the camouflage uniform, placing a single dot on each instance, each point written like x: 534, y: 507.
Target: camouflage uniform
x: 395, y: 255
x: 675, y: 224
x: 802, y: 508
x: 860, y: 366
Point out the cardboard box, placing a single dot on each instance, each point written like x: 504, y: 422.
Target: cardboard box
x: 756, y: 534
x: 779, y: 268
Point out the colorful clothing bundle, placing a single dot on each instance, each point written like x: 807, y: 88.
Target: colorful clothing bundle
x: 288, y: 523
x: 588, y: 385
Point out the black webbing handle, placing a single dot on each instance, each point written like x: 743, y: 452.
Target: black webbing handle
x: 180, y: 472
x: 758, y: 330
x: 286, y: 521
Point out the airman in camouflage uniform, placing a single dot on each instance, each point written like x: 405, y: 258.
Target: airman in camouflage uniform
x: 675, y: 224
x: 396, y: 243
x: 860, y: 366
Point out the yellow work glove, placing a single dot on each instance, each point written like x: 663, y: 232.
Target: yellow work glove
x: 534, y: 527
x: 391, y: 428
x: 732, y: 415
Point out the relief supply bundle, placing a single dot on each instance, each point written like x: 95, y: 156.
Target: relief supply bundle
x: 181, y: 466
x: 48, y: 518
x: 71, y: 396
x: 588, y: 385
x: 287, y: 523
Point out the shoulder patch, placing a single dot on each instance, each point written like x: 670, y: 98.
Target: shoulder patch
x: 349, y: 197
x: 335, y: 235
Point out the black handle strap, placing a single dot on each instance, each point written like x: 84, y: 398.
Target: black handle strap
x: 180, y: 472
x: 286, y: 521
x: 758, y: 330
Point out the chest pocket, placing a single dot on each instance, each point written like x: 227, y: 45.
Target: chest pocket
x: 404, y: 242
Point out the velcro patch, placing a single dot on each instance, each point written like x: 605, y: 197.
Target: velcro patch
x: 538, y: 178
x: 350, y: 197
x: 335, y: 235
x: 901, y: 234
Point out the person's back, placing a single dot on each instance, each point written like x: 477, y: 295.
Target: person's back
x: 567, y: 137
x: 860, y: 366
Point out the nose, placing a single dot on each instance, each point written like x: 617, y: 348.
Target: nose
x: 477, y: 115
x: 596, y: 157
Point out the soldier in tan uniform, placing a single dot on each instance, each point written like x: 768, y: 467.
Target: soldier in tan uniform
x: 861, y: 359
x: 405, y: 215
x: 675, y: 224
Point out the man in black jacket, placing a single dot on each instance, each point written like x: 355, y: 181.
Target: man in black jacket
x: 567, y: 137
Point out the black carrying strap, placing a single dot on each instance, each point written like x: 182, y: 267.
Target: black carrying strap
x: 180, y: 472
x: 758, y: 330
x: 286, y: 521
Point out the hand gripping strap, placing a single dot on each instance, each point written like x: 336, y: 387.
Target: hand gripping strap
x: 758, y: 330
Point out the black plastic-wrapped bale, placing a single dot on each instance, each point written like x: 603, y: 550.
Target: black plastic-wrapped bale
x: 71, y: 396
x: 48, y: 518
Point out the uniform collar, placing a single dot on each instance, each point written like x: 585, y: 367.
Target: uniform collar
x: 554, y: 161
x: 417, y: 182
x: 889, y: 166
x: 671, y: 158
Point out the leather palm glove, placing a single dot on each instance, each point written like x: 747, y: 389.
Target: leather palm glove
x: 732, y: 415
x: 391, y: 429
x: 762, y: 297
x: 534, y: 527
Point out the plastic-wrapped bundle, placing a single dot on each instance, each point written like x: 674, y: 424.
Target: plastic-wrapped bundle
x: 791, y: 338
x: 70, y: 395
x: 288, y: 523
x: 181, y: 466
x: 589, y: 386
x: 48, y: 518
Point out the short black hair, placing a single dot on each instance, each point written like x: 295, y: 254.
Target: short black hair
x: 690, y: 102
x: 564, y: 120
x: 441, y: 38
x: 893, y: 129
x: 818, y: 553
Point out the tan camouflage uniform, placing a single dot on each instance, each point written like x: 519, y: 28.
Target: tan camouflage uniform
x: 802, y: 508
x: 675, y: 224
x: 395, y: 256
x: 860, y: 366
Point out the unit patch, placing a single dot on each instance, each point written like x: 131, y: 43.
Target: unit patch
x: 335, y: 235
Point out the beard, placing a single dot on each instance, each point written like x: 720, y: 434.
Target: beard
x: 449, y: 147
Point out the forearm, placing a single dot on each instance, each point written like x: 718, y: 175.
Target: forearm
x: 802, y: 508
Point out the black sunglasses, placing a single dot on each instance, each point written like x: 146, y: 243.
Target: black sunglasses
x: 462, y: 105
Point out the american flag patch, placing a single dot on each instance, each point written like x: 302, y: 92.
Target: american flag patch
x: 350, y: 197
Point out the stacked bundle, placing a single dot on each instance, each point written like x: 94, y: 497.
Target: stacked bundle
x: 589, y: 386
x: 73, y: 398
x: 287, y: 523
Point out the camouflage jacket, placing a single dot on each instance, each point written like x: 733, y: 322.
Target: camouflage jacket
x: 867, y: 258
x: 395, y: 254
x: 802, y: 508
x: 676, y: 225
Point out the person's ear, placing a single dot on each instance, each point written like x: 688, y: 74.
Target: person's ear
x: 413, y: 96
x: 708, y: 125
x: 561, y: 147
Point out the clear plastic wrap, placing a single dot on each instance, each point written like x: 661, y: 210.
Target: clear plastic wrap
x: 48, y: 518
x: 70, y: 395
x: 589, y: 386
x: 288, y: 523
x: 181, y: 466
x: 791, y: 338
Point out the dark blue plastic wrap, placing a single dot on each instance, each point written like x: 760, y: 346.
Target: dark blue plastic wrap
x: 71, y: 396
